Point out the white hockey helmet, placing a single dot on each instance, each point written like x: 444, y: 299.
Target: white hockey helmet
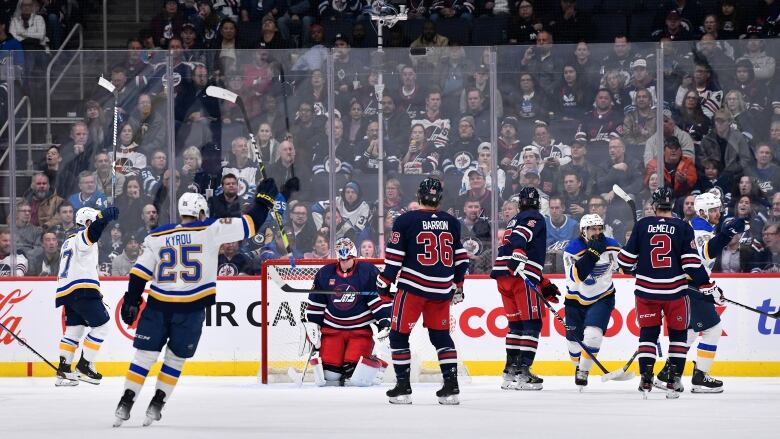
x: 191, y: 204
x: 705, y: 202
x: 86, y: 213
x: 589, y: 220
x: 345, y: 248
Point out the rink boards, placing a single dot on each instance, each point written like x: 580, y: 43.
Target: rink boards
x: 231, y: 341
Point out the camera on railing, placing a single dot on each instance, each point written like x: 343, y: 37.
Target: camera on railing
x: 387, y: 13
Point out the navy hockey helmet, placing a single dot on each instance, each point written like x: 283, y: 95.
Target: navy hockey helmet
x: 528, y: 198
x: 430, y: 192
x: 663, y: 198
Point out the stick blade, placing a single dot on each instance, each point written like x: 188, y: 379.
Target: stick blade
x: 221, y: 93
x: 618, y: 375
x: 105, y: 83
x: 620, y: 193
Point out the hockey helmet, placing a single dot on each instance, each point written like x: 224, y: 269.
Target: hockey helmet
x: 705, y: 202
x: 86, y: 213
x: 528, y: 198
x: 191, y: 204
x: 590, y: 220
x: 430, y: 192
x: 663, y: 198
x: 345, y: 249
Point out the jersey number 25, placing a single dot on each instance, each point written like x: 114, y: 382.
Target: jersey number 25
x: 437, y: 248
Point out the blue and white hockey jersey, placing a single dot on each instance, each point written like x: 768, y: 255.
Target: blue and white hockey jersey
x: 527, y: 231
x: 588, y: 287
x: 78, y: 276
x: 709, y: 243
x: 346, y: 311
x: 426, y: 250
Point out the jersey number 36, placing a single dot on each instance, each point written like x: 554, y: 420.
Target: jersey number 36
x: 437, y: 248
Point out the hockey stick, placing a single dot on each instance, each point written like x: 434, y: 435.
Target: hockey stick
x: 227, y: 95
x: 624, y: 376
x: 774, y: 315
x: 106, y: 84
x: 287, y: 288
x: 615, y: 374
x: 24, y: 343
x: 623, y: 195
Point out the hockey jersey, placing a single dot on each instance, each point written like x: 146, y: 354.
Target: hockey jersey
x: 708, y: 243
x: 78, y: 276
x: 587, y: 288
x: 527, y: 231
x: 425, y: 248
x: 346, y: 311
x: 662, y: 254
x: 21, y: 266
x: 181, y: 261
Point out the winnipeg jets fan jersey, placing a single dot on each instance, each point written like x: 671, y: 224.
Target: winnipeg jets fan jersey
x: 526, y: 231
x: 78, y: 269
x: 598, y: 283
x: 181, y: 261
x: 425, y: 248
x: 346, y: 311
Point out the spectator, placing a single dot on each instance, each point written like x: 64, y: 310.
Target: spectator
x: 431, y: 40
x: 367, y: 249
x: 560, y: 227
x: 508, y: 211
x: 163, y: 196
x: 151, y: 126
x: 621, y: 170
x: 135, y: 66
x: 573, y: 96
x: 150, y: 220
x: 321, y: 248
x: 367, y: 152
x: 231, y: 262
x: 575, y: 199
x: 639, y: 123
x: 244, y: 168
x: 167, y: 23
x: 436, y: 124
x: 710, y: 178
x: 674, y: 29
x: 152, y: 174
x: 302, y: 228
x: 568, y: 24
x: 301, y: 15
x: 646, y: 194
x: 584, y: 168
x: 5, y: 256
x: 28, y: 235
x: 131, y: 204
x: 396, y: 121
x: 474, y: 105
x: 485, y: 164
x: 122, y: 264
x: 421, y: 157
x: 28, y: 27
x: 129, y: 161
x: 88, y: 195
x: 475, y: 233
x: 108, y: 182
x: 344, y: 152
x: 737, y: 257
x: 531, y: 102
x: 225, y: 44
x: 616, y: 83
x: 524, y: 26
x: 307, y: 129
x: 692, y: 119
x: 283, y: 169
x: 110, y: 246
x: 444, y: 9
x: 710, y: 94
x: 75, y: 158
x: 314, y: 58
x: 765, y: 171
x: 463, y: 150
x: 343, y: 228
x: 688, y: 209
x: 270, y: 37
x: 679, y: 171
x: 588, y: 70
x: 126, y: 94
x: 755, y: 92
x: 774, y: 212
x: 744, y: 207
x: 553, y: 154
x: 763, y: 64
x: 352, y: 207
x: 394, y: 196
x: 228, y: 204
x: 477, y: 189
x: 65, y: 221
x: 620, y: 58
x: 46, y: 262
x: 670, y: 130
x: 9, y: 43
x: 43, y: 202
x: 727, y: 146
x: 641, y: 79
x: 768, y: 260
x: 266, y: 143
x: 411, y: 96
x: 690, y: 13
x: 747, y: 185
x: 600, y: 124
x: 95, y: 118
x: 744, y: 120
x: 509, y: 148
x: 355, y: 124
x: 192, y: 162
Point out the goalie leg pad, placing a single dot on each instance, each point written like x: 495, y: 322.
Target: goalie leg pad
x: 318, y: 372
x: 365, y: 372
x: 332, y: 375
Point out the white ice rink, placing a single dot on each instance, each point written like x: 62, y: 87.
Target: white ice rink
x: 222, y: 408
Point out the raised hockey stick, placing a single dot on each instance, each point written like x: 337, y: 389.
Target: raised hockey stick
x: 287, y: 288
x: 622, y: 375
x: 625, y: 197
x: 227, y: 95
x: 24, y: 343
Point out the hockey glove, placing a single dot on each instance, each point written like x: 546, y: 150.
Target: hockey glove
x: 313, y: 335
x: 597, y: 245
x: 130, y: 308
x: 516, y: 264
x: 383, y: 288
x: 735, y: 226
x: 290, y: 186
x: 712, y: 291
x: 458, y: 296
x: 266, y: 193
x: 550, y: 291
x: 110, y: 213
x: 383, y: 329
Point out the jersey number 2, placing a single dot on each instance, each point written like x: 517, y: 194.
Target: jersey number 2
x: 437, y: 248
x: 659, y: 255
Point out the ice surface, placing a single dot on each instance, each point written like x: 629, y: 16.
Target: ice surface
x: 223, y: 408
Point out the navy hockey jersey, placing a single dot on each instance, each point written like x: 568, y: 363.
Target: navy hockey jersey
x: 426, y: 250
x: 346, y: 311
x: 662, y: 254
x: 527, y: 231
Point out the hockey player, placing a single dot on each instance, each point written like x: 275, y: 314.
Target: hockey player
x: 590, y: 295
x: 425, y: 248
x: 518, y: 271
x: 661, y: 253
x: 181, y: 261
x: 704, y: 317
x: 344, y: 321
x: 78, y: 292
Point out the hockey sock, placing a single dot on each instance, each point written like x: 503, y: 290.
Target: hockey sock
x: 70, y: 342
x: 647, y: 353
x: 574, y: 352
x: 529, y: 341
x: 445, y: 348
x: 169, y: 372
x: 592, y: 341
x: 94, y: 340
x: 513, y: 342
x: 678, y: 349
x: 705, y: 350
x: 401, y: 354
x: 139, y: 369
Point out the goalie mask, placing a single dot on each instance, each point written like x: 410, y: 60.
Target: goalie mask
x: 86, y: 214
x: 345, y: 249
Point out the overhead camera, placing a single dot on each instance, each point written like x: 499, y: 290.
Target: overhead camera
x: 387, y: 13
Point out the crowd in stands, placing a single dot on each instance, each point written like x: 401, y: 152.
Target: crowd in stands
x: 569, y: 122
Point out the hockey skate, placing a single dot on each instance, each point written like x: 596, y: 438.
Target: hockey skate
x: 154, y: 411
x: 510, y: 373
x: 526, y: 380
x: 448, y: 394
x: 581, y: 378
x: 663, y: 378
x: 65, y: 377
x: 673, y: 384
x: 123, y: 409
x: 646, y: 382
x: 87, y: 373
x: 401, y: 393
x: 702, y: 382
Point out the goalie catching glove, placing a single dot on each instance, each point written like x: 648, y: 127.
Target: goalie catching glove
x: 549, y: 290
x: 712, y: 291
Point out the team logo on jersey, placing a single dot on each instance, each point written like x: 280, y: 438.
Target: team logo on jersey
x: 228, y: 269
x: 344, y: 301
x: 531, y: 223
x: 511, y: 224
x: 472, y: 246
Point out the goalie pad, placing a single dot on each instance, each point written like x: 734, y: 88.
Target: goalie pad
x: 309, y: 338
x: 323, y: 377
x: 367, y: 371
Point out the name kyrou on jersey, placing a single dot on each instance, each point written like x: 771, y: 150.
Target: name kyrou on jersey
x: 185, y: 238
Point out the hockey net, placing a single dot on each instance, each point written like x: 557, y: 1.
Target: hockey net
x: 281, y: 359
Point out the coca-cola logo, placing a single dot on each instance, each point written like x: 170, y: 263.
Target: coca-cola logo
x: 127, y: 330
x: 10, y: 321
